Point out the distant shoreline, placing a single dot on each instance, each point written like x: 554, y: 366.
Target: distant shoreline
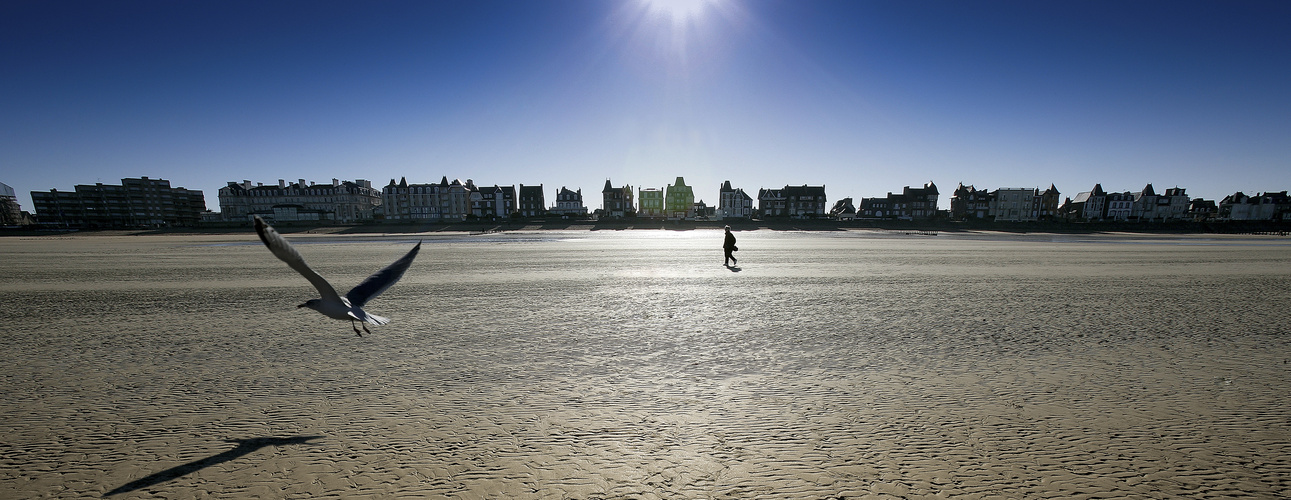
x: 1276, y: 228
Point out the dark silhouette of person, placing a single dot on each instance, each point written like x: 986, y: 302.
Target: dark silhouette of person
x: 730, y: 248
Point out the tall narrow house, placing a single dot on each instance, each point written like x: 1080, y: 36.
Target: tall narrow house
x: 679, y: 201
x: 531, y: 202
x: 734, y: 203
x: 616, y: 203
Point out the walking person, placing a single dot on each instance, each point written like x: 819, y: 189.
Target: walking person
x: 730, y: 248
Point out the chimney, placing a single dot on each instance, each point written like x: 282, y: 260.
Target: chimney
x: 302, y: 183
x: 336, y: 182
x: 282, y: 184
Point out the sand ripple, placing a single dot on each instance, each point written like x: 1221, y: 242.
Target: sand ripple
x: 632, y: 365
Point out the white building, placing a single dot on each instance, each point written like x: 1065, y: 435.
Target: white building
x: 1120, y: 206
x: 569, y: 203
x: 1087, y: 205
x: 734, y: 203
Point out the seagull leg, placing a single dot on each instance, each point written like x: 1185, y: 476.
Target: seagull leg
x: 356, y: 329
x: 365, y: 327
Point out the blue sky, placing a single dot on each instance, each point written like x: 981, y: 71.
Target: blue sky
x: 863, y: 97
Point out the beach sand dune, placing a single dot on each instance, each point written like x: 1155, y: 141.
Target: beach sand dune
x: 632, y: 364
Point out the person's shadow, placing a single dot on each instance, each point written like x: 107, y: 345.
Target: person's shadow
x: 734, y: 269
x: 244, y: 447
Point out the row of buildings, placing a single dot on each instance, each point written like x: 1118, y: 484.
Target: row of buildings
x: 136, y: 202
x: 144, y: 202
x: 911, y: 204
x: 1173, y: 204
x: 457, y: 201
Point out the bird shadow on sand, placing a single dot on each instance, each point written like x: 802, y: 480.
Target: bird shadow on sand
x: 244, y: 446
x: 734, y: 269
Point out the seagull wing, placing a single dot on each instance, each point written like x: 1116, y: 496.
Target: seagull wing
x: 382, y: 280
x: 284, y: 251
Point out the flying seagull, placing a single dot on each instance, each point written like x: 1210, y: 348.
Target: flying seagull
x: 331, y: 304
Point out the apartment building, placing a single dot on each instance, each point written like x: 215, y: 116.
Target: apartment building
x: 434, y: 202
x: 136, y: 202
x: 341, y: 201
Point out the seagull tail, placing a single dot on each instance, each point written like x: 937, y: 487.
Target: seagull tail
x: 373, y: 319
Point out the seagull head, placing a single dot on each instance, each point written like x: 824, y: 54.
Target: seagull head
x: 311, y: 303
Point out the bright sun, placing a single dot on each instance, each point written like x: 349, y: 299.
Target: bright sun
x: 680, y: 12
x: 676, y: 32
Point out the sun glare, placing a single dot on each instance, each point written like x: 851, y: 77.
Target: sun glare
x: 680, y: 12
x: 677, y: 25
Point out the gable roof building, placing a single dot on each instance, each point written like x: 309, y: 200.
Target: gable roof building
x: 1170, y: 205
x: 493, y: 202
x: 911, y: 204
x: 679, y: 201
x: 968, y: 202
x: 799, y: 202
x: 733, y: 203
x: 569, y: 203
x: 1087, y: 205
x: 1049, y: 203
x: 616, y: 203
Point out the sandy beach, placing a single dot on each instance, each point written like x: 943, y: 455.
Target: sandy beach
x: 632, y: 364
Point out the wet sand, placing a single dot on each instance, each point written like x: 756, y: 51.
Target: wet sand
x: 632, y: 364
